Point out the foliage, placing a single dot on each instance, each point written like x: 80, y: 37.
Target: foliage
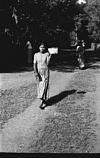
x: 92, y: 10
x: 52, y: 21
x: 38, y: 19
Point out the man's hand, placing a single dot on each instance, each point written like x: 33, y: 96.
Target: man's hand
x: 38, y: 78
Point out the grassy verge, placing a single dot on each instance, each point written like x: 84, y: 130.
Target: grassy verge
x: 71, y: 129
x: 15, y: 101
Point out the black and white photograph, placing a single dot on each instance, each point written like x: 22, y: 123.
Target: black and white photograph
x: 50, y: 76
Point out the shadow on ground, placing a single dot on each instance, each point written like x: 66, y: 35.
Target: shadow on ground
x: 67, y: 62
x: 90, y: 66
x: 59, y: 97
x: 11, y: 69
x: 92, y: 58
x: 63, y: 62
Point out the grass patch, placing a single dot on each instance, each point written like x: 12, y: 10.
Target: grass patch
x: 72, y: 127
x: 15, y: 101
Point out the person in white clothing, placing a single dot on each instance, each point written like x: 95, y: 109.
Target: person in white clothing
x: 41, y: 69
x: 80, y: 54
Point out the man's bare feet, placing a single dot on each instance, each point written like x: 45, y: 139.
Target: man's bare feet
x: 43, y: 104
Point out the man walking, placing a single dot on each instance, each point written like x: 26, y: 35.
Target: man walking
x: 80, y: 53
x: 41, y: 62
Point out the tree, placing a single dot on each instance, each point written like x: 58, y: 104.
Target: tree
x: 36, y: 18
x: 92, y: 10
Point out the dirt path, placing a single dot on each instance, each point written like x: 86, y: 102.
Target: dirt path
x: 97, y: 101
x: 78, y: 113
x: 20, y: 130
x: 14, y: 80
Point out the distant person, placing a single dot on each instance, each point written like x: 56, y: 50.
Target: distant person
x: 29, y: 53
x: 80, y: 54
x: 83, y: 44
x: 41, y: 69
x: 29, y: 45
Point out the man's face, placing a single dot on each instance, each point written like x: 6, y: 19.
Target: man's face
x: 42, y: 48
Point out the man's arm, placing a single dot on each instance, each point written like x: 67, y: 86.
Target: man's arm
x: 38, y: 78
x: 48, y: 58
x: 35, y: 69
x: 35, y: 66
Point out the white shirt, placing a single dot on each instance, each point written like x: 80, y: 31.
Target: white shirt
x: 42, y: 60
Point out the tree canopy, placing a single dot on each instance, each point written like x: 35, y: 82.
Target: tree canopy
x: 92, y: 10
x: 38, y: 19
x: 51, y: 20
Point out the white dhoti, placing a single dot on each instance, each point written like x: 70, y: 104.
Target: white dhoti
x: 42, y: 85
x: 81, y: 62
